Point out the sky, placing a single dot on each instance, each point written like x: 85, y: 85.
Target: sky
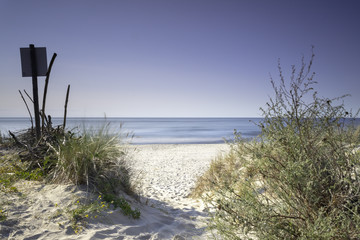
x: 176, y: 58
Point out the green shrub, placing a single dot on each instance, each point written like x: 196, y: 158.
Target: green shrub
x: 11, y: 170
x: 81, y: 212
x: 120, y: 202
x: 299, y: 179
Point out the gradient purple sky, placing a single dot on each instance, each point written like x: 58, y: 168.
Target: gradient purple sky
x: 172, y: 58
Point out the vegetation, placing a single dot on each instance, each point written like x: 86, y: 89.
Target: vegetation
x: 84, y: 211
x: 92, y: 157
x: 299, y: 179
x: 120, y: 202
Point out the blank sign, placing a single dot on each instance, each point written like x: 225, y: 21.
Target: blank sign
x: 41, y: 61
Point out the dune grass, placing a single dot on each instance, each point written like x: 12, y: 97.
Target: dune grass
x: 300, y: 179
x: 94, y: 157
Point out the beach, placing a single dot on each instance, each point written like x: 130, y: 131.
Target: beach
x: 165, y: 175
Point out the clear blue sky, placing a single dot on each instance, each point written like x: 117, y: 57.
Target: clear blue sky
x: 176, y: 58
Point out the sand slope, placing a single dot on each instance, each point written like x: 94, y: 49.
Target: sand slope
x: 168, y: 172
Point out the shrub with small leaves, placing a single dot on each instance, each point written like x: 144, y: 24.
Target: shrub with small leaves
x: 299, y: 179
x: 83, y: 211
x: 120, y: 202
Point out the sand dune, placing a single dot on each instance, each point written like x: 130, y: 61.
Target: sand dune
x: 167, y: 174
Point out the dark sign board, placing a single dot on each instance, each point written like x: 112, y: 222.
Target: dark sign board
x: 41, y: 62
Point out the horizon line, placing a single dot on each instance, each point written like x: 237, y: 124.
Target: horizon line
x: 105, y: 117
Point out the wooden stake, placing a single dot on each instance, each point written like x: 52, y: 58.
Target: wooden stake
x: 43, y: 115
x: 66, y: 102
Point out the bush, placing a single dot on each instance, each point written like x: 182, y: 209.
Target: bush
x: 299, y: 179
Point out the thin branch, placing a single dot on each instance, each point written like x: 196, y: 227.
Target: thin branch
x: 284, y: 216
x: 27, y: 107
x: 29, y: 96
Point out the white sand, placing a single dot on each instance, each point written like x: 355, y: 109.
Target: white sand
x: 168, y: 173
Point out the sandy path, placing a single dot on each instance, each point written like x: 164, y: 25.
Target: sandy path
x: 169, y: 172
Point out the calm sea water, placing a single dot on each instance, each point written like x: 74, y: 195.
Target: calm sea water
x: 157, y: 130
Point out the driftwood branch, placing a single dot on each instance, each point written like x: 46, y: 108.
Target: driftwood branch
x: 27, y: 107
x: 66, y: 102
x: 16, y: 140
x: 43, y: 115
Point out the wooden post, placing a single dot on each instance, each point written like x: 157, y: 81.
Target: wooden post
x: 35, y: 91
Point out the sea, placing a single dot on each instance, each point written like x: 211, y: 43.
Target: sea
x: 156, y: 130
